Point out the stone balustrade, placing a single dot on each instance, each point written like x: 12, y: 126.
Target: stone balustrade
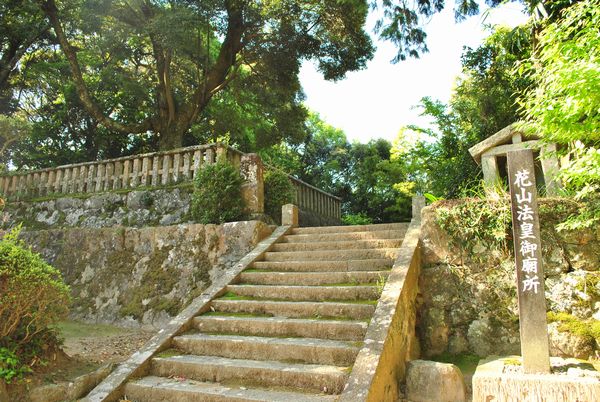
x: 159, y: 169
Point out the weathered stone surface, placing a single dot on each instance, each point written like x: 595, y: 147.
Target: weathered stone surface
x: 468, y: 302
x: 428, y: 381
x: 495, y: 380
x: 162, y: 207
x: 142, y: 276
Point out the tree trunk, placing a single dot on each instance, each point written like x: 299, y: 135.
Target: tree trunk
x: 170, y: 138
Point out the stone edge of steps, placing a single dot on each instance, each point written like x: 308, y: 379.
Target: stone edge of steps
x: 110, y: 388
x: 218, y: 392
x: 365, y: 382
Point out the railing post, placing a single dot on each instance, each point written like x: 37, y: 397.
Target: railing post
x: 418, y: 203
x: 253, y: 191
x: 289, y: 215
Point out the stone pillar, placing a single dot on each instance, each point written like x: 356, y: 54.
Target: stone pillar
x: 550, y: 167
x: 491, y: 177
x: 418, y: 203
x: 253, y: 191
x: 289, y: 215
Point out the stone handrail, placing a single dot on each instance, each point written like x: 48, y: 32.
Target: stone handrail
x: 151, y: 169
x: 313, y: 200
x: 316, y: 200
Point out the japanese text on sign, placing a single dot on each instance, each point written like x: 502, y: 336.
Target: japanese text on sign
x: 525, y: 217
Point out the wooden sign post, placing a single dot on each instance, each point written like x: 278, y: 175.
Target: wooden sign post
x: 528, y: 259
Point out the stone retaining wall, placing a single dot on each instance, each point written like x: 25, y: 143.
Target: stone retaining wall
x: 142, y: 277
x: 139, y: 208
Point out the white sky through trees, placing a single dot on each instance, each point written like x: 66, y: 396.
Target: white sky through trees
x: 378, y: 101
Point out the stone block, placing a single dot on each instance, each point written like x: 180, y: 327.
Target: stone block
x: 428, y: 381
x: 289, y: 215
x: 499, y: 379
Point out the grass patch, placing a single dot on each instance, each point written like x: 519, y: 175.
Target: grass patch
x: 466, y: 362
x: 73, y: 329
x: 350, y: 284
x: 242, y: 315
x: 250, y: 270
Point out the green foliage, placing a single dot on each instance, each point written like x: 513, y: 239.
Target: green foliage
x: 483, y: 103
x: 564, y: 106
x: 476, y: 222
x: 279, y: 191
x: 217, y: 196
x: 33, y: 296
x: 356, y: 219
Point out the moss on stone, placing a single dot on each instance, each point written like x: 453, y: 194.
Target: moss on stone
x: 156, y: 282
x: 589, y: 329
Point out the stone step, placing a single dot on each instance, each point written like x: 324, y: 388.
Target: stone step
x: 305, y: 350
x: 355, y: 228
x: 338, y: 245
x: 154, y: 389
x: 346, y: 236
x: 325, y: 266
x: 332, y: 255
x: 317, y: 378
x: 312, y: 278
x: 306, y: 293
x: 295, y: 309
x: 286, y: 327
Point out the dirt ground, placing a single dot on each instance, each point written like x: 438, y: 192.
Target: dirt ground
x: 86, y: 348
x: 101, y: 343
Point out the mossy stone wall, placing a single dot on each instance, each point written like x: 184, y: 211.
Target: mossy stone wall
x: 468, y: 300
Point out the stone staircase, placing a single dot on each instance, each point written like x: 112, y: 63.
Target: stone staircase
x: 289, y: 330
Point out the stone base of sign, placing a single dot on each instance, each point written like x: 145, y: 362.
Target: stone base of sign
x: 501, y: 379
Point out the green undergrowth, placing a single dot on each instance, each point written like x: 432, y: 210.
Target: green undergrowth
x: 170, y: 353
x: 466, y: 362
x: 589, y: 329
x: 240, y: 315
x: 233, y: 296
x: 258, y: 315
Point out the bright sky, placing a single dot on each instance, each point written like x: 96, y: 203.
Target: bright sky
x: 378, y: 101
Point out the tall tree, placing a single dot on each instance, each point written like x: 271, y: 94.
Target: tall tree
x: 188, y: 51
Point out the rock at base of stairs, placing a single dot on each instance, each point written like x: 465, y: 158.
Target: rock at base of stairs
x: 428, y: 381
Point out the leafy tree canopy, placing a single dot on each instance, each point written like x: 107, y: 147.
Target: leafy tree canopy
x: 167, y: 60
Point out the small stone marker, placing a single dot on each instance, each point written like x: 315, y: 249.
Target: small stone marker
x: 528, y: 260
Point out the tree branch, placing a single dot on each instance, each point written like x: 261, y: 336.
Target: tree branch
x: 49, y: 7
x: 216, y: 77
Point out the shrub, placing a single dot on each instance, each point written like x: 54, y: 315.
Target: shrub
x: 356, y: 219
x: 217, y: 196
x: 32, y: 298
x: 279, y: 191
